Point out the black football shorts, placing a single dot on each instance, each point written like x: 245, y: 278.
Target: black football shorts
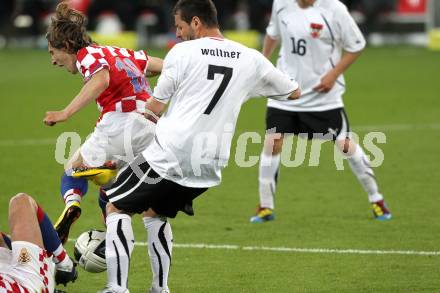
x: 329, y: 124
x: 133, y: 192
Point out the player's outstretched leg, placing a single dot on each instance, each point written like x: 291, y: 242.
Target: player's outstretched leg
x: 267, y: 178
x: 65, y: 269
x: 360, y: 165
x: 72, y: 191
x: 160, y: 245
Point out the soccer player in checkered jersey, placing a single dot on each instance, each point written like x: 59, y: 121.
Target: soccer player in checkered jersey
x: 319, y: 41
x: 114, y: 78
x: 204, y: 81
x: 26, y: 264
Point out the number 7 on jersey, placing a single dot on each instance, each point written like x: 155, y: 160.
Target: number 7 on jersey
x: 227, y: 75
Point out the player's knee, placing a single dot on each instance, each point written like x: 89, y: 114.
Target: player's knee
x: 75, y: 161
x: 346, y: 146
x: 20, y: 201
x: 277, y: 146
x: 273, y: 144
x: 20, y: 197
x: 150, y: 213
x: 110, y: 208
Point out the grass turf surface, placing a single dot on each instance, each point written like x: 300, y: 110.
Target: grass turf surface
x: 393, y: 90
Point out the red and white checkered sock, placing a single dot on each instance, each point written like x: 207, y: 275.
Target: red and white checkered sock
x: 59, y: 254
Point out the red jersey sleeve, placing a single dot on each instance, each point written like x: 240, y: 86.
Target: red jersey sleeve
x: 90, y: 60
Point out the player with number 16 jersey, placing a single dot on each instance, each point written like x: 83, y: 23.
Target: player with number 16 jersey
x: 319, y: 41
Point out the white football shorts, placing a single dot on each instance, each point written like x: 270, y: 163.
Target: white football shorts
x: 26, y: 266
x: 118, y: 137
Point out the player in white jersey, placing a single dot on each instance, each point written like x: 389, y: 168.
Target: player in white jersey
x: 319, y: 41
x: 204, y: 81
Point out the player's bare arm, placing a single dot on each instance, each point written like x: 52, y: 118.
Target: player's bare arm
x: 328, y: 80
x: 89, y: 92
x: 269, y: 45
x: 153, y: 109
x: 154, y: 66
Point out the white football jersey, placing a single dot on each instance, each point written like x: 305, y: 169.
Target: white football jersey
x: 205, y: 82
x: 312, y: 41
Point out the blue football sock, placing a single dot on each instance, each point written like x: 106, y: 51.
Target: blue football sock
x: 73, y: 187
x: 50, y: 237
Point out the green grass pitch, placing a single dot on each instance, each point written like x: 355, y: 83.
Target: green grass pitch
x: 393, y: 90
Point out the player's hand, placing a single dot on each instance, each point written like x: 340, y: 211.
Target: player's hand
x: 150, y: 115
x: 327, y: 83
x: 295, y: 95
x: 52, y: 117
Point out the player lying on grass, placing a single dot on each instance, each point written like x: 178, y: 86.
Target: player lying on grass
x: 26, y: 258
x: 114, y: 78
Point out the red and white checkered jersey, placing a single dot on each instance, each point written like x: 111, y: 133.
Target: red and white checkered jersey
x: 9, y: 285
x: 128, y: 89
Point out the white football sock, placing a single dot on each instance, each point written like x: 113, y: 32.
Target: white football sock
x: 360, y: 165
x: 160, y: 245
x: 71, y: 196
x: 267, y: 179
x: 60, y: 256
x: 119, y: 243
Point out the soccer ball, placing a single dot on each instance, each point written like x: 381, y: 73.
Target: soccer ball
x: 89, y: 251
